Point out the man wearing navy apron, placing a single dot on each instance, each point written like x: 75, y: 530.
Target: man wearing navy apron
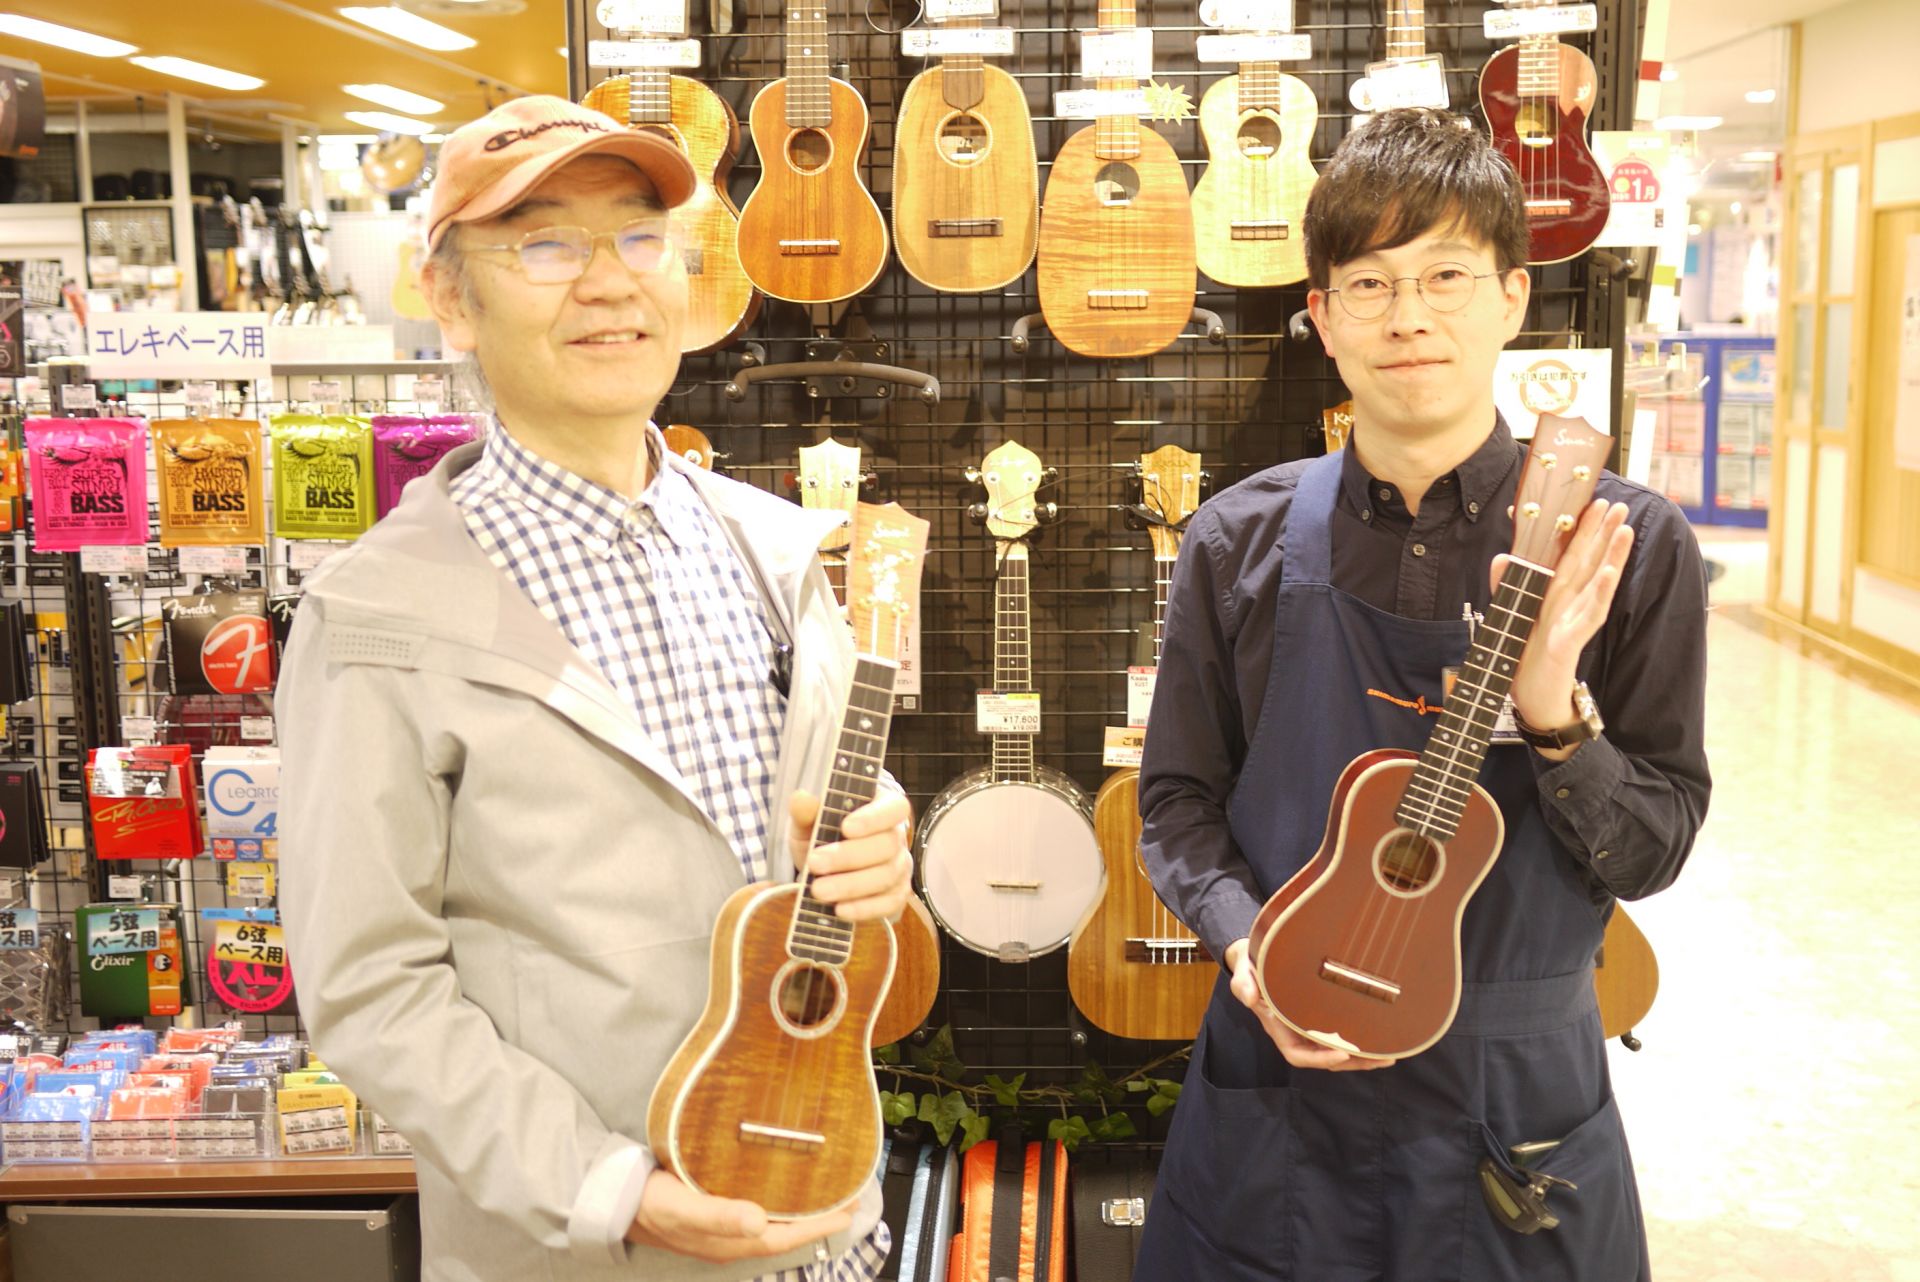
x: 1313, y: 610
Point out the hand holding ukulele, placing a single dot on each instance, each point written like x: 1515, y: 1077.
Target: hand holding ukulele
x: 688, y: 1222
x: 1297, y: 1050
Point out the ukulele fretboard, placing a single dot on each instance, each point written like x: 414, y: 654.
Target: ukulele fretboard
x: 1012, y: 660
x: 817, y: 933
x: 809, y: 92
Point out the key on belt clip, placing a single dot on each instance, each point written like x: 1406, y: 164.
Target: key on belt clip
x: 1517, y: 1206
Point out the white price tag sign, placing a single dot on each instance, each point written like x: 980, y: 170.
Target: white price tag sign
x: 257, y: 729
x: 120, y: 886
x: 137, y: 729
x: 430, y: 389
x: 77, y: 396
x: 1294, y: 48
x: 655, y: 17
x: 114, y: 560
x: 1562, y: 19
x: 1012, y: 712
x: 19, y: 928
x: 1412, y: 82
x: 1117, y: 55
x: 216, y: 560
x: 617, y: 54
x: 1248, y: 15
x: 1123, y: 747
x: 324, y: 391
x: 177, y: 344
x: 307, y: 554
x: 1091, y: 104
x: 921, y: 42
x: 1140, y: 694
x: 947, y: 10
x: 201, y: 394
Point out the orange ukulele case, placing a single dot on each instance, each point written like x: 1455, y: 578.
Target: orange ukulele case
x: 1014, y: 1221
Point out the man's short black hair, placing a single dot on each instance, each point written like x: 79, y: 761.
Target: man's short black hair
x: 1404, y: 173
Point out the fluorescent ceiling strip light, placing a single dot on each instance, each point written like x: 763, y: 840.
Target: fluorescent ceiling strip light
x: 398, y: 99
x: 52, y: 33
x: 198, y: 72
x: 387, y: 122
x: 410, y: 27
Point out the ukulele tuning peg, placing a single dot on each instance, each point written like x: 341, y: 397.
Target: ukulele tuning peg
x: 977, y: 513
x: 972, y: 474
x: 1047, y: 513
x: 1206, y: 485
x: 1563, y: 523
x: 1136, y: 490
x: 1049, y: 475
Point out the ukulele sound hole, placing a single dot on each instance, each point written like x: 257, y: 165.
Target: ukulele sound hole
x: 809, y: 150
x: 1534, y: 125
x: 1116, y: 184
x: 1407, y: 862
x: 963, y: 138
x: 1259, y: 137
x: 807, y: 997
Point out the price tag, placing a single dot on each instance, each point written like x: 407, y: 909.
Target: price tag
x: 947, y: 10
x: 220, y: 560
x: 307, y: 554
x: 155, y: 781
x: 1123, y: 747
x: 430, y: 389
x: 255, y: 881
x: 257, y: 729
x: 1248, y: 15
x: 120, y: 886
x: 921, y: 42
x: 77, y: 396
x: 324, y: 391
x: 114, y: 560
x: 1294, y: 48
x: 137, y: 729
x: 1015, y: 712
x: 1140, y: 694
x: 127, y: 930
x: 1509, y: 24
x: 19, y: 928
x: 254, y: 943
x: 1117, y: 55
x: 614, y: 54
x: 655, y: 17
x: 1091, y: 104
x: 201, y: 394
x: 1411, y: 82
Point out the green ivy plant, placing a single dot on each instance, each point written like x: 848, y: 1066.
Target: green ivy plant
x: 950, y: 1105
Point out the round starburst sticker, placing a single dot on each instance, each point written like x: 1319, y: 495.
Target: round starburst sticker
x: 1168, y: 102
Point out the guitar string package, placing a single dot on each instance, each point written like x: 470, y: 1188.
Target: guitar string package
x: 322, y: 476
x: 208, y: 475
x: 407, y: 446
x: 89, y: 480
x: 219, y: 643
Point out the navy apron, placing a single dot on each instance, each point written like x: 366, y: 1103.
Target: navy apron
x: 1278, y: 1174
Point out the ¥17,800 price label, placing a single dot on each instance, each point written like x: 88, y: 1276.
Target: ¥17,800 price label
x: 128, y: 930
x: 252, y: 942
x: 19, y: 928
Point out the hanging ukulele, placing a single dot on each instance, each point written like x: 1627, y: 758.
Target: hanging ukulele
x: 772, y: 1097
x: 1133, y: 968
x: 1116, y: 229
x: 1536, y: 96
x: 810, y: 232
x: 690, y: 443
x: 1360, y: 949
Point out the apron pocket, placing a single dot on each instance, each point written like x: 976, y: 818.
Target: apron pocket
x: 1599, y: 1235
x: 1231, y: 1169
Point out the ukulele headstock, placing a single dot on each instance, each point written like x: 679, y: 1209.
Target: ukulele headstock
x: 829, y: 480
x: 886, y: 551
x: 1012, y: 476
x: 1170, y: 480
x: 1563, y: 466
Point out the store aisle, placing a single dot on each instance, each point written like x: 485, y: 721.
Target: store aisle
x: 1775, y: 1109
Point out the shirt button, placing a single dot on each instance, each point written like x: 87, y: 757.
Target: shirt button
x: 1419, y: 549
x: 1366, y: 514
x: 1601, y: 854
x: 1563, y: 793
x: 1473, y: 509
x: 1446, y: 480
x: 1385, y: 494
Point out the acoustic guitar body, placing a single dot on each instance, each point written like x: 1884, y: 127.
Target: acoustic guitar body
x: 1627, y: 978
x: 1248, y: 203
x: 810, y: 232
x: 1358, y: 951
x: 1116, y: 248
x: 721, y: 301
x: 966, y: 184
x: 757, y: 1103
x: 916, y: 975
x: 1545, y: 139
x: 1133, y: 992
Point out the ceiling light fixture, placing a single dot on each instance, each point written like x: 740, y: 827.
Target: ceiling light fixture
x: 399, y: 99
x: 1696, y: 123
x: 198, y: 72
x: 388, y: 123
x: 1761, y: 97
x: 406, y: 26
x: 52, y: 33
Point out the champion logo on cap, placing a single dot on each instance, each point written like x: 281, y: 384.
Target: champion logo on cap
x: 513, y: 136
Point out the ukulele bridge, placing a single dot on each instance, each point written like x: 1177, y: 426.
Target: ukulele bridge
x: 806, y: 247
x: 962, y: 228
x: 1117, y: 300
x: 1261, y: 229
x: 1382, y: 990
x: 1165, y: 951
x: 1015, y: 887
x: 1549, y: 208
x: 782, y: 1137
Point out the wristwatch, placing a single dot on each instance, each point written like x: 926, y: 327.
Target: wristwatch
x: 1587, y: 727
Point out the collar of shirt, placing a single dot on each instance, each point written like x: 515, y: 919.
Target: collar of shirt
x: 600, y: 515
x: 1474, y: 485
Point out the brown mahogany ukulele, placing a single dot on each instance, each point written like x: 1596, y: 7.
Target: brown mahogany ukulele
x: 1360, y: 950
x: 772, y: 1096
x: 1134, y: 970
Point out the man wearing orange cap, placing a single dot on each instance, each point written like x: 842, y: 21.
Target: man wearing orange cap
x: 540, y: 722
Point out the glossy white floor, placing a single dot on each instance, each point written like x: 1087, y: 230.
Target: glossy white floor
x: 1775, y: 1110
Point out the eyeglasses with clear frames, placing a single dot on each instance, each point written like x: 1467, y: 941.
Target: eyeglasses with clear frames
x: 1445, y: 287
x: 558, y: 255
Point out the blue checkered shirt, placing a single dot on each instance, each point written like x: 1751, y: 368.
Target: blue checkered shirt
x: 652, y: 593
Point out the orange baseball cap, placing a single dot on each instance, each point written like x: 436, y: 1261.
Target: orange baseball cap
x: 486, y: 166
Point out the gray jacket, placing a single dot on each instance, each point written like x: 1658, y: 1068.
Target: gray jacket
x: 498, y: 892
